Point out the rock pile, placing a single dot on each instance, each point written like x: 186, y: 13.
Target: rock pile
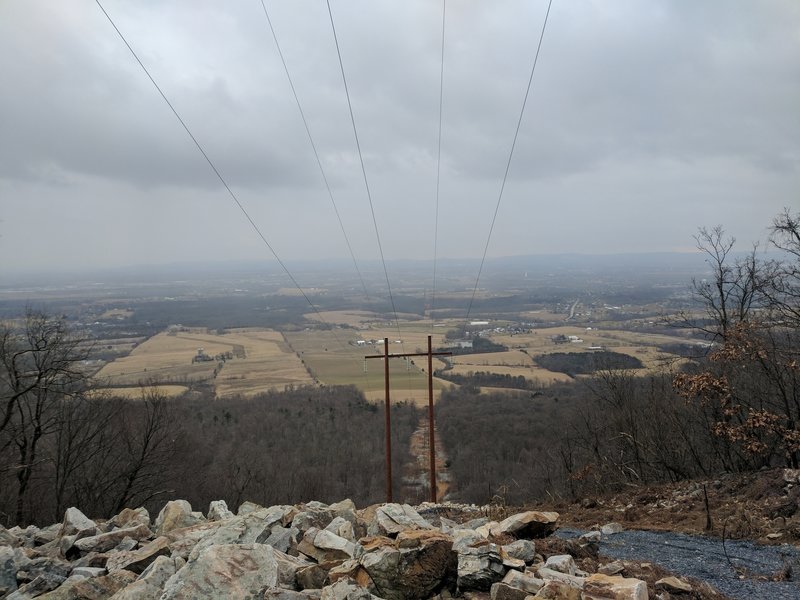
x: 311, y: 551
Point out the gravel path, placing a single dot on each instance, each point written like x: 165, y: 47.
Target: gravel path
x: 704, y: 558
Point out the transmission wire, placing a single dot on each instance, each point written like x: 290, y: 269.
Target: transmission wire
x: 438, y: 169
x: 314, y: 148
x: 218, y: 174
x: 363, y: 169
x: 510, y: 156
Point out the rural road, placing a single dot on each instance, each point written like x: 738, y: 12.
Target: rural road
x: 704, y: 558
x: 572, y: 310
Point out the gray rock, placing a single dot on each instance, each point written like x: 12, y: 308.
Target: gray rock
x: 33, y: 568
x: 75, y: 522
x: 230, y: 531
x: 391, y: 519
x: 343, y: 590
x: 343, y: 528
x: 503, y: 591
x: 312, y: 577
x: 282, y: 594
x: 41, y: 584
x: 312, y: 517
x: 138, y: 560
x: 259, y: 523
x: 225, y: 571
x: 591, y: 537
x: 611, y: 528
x: 613, y: 568
x: 530, y: 524
x: 47, y: 535
x: 76, y: 588
x: 523, y: 581
x: 475, y: 523
x: 281, y: 538
x: 571, y: 580
x: 524, y: 550
x: 11, y: 561
x: 218, y: 511
x: 563, y: 563
x: 247, y: 507
x: 479, y: 568
x: 464, y: 538
x: 324, y: 546
x: 419, y: 563
x: 600, y: 587
x: 8, y: 539
x: 151, y: 582
x: 557, y: 590
x: 130, y: 517
x: 88, y: 572
x: 176, y: 514
x: 107, y: 541
x: 127, y: 544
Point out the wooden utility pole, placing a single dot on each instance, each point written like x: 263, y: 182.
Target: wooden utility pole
x: 386, y: 356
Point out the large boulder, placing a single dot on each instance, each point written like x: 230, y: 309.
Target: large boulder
x: 391, y: 519
x: 129, y: 517
x: 151, y: 582
x: 225, y: 571
x: 106, y: 541
x: 416, y: 565
x: 77, y: 523
x: 524, y: 550
x: 218, y: 511
x: 480, y: 567
x: 138, y: 560
x: 527, y: 525
x: 324, y: 546
x: 176, y: 514
x: 76, y: 588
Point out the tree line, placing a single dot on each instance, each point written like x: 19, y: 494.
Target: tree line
x: 736, y: 408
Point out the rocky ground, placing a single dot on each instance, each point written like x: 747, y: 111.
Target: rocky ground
x: 315, y: 551
x: 763, y: 506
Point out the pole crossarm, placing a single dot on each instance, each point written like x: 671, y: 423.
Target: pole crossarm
x: 388, y: 443
x: 409, y: 354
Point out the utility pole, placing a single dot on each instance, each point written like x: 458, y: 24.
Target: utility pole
x: 432, y: 451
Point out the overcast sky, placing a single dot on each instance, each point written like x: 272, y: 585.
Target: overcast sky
x: 645, y: 121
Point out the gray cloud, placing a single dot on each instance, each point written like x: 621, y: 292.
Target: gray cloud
x: 645, y: 121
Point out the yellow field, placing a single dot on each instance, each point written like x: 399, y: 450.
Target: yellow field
x: 532, y: 372
x: 641, y: 345
x: 135, y: 393
x: 268, y: 362
x: 510, y: 359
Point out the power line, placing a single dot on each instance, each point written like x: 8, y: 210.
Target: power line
x: 510, y: 156
x: 314, y: 148
x: 363, y: 169
x: 216, y: 171
x: 438, y: 168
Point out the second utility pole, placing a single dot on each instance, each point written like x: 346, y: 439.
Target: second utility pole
x: 432, y: 451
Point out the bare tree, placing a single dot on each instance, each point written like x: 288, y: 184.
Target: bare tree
x: 735, y: 287
x: 39, y: 369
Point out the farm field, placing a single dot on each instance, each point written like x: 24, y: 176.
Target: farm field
x: 641, y: 345
x: 261, y: 361
x: 334, y: 359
